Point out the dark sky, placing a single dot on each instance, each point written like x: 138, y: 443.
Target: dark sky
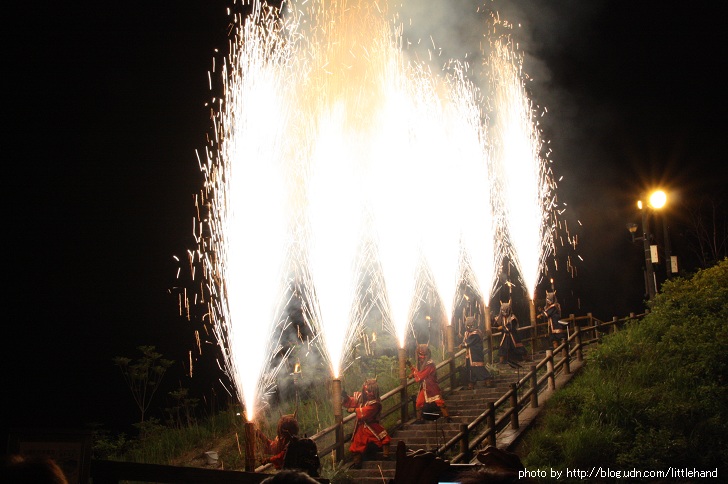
x: 107, y: 109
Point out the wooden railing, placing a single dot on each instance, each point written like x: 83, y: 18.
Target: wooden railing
x: 586, y: 330
x: 496, y: 416
x: 396, y: 401
x: 113, y: 472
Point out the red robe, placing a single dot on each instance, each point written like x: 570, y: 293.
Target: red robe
x: 368, y: 429
x: 429, y: 389
x: 276, y: 448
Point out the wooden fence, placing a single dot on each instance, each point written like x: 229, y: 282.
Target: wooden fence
x: 584, y: 330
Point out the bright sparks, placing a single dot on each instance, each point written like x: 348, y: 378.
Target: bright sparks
x: 327, y: 139
x: 476, y: 192
x: 526, y: 184
x: 247, y: 190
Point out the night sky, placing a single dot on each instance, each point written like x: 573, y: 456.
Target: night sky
x: 107, y: 108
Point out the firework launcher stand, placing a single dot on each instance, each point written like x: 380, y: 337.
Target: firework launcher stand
x: 249, y: 445
x: 338, y: 418
x: 451, y: 352
x: 402, y: 356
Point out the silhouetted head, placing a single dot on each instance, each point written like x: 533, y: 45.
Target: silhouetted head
x: 22, y: 469
x: 497, y: 467
x: 289, y: 477
x: 287, y: 426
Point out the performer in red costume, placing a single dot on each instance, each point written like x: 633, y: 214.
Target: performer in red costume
x: 276, y: 448
x: 426, y: 375
x: 367, y: 406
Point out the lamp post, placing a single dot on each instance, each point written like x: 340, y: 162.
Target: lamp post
x: 649, y: 270
x: 656, y: 200
x: 632, y: 227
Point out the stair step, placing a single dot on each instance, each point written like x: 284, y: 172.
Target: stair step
x: 377, y: 464
x: 374, y: 470
x: 464, y: 404
x: 370, y: 477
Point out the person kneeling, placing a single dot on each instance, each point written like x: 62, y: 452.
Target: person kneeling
x: 367, y: 406
x: 426, y: 375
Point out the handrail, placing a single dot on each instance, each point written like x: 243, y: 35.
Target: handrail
x: 586, y: 324
x: 114, y: 472
x: 319, y: 436
x: 594, y: 325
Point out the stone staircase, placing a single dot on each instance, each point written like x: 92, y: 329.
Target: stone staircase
x: 464, y: 405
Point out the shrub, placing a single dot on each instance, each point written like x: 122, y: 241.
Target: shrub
x: 651, y: 396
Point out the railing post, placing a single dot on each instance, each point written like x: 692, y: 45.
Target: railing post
x: 534, y: 324
x: 514, y: 406
x: 577, y: 340
x: 465, y: 442
x: 572, y: 320
x: 567, y: 358
x: 631, y: 317
x: 595, y: 333
x: 338, y: 419
x: 614, y: 324
x: 403, y: 412
x: 534, y: 387
x: 488, y: 333
x: 486, y: 318
x: 491, y: 423
x: 550, y: 369
x: 489, y: 340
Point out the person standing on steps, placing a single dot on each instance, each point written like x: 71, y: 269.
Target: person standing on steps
x: 475, y: 355
x: 511, y: 349
x: 552, y: 312
x: 368, y: 432
x: 426, y: 375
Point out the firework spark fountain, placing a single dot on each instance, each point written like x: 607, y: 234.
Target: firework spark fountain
x: 246, y: 188
x: 350, y: 45
x: 396, y: 208
x: 324, y: 125
x: 481, y: 227
x: 333, y: 239
x: 526, y: 184
x: 441, y: 153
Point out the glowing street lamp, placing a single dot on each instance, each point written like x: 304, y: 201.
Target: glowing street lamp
x: 656, y: 200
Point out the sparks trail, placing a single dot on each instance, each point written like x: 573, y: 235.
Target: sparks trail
x: 341, y: 167
x: 247, y: 189
x: 527, y: 187
x: 476, y: 194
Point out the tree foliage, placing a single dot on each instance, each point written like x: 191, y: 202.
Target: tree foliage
x: 143, y: 376
x: 706, y: 230
x: 653, y: 395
